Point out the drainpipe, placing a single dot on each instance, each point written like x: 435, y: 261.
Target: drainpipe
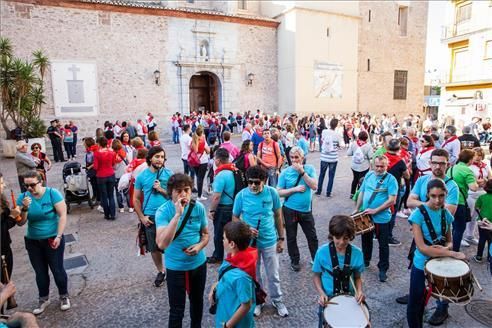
x: 180, y: 69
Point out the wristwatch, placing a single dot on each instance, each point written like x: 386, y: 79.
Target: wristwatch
x: 24, y: 209
x: 280, y: 238
x: 303, y: 173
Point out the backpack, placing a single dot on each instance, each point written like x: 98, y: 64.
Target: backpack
x: 239, y: 183
x: 239, y: 163
x: 358, y: 157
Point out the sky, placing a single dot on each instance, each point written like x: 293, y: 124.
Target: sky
x: 435, y: 50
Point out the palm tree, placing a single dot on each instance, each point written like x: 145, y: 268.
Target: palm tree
x: 21, y: 88
x: 41, y: 62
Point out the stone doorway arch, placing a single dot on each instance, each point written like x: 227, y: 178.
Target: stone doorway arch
x: 205, y: 92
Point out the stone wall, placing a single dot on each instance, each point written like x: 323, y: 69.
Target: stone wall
x: 380, y: 41
x: 128, y: 48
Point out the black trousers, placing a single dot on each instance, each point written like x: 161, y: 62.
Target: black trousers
x: 305, y: 219
x: 382, y: 234
x: 200, y: 172
x: 178, y: 284
x: 9, y: 259
x: 57, y: 150
x: 355, y: 181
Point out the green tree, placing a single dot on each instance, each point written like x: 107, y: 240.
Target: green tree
x: 22, y: 90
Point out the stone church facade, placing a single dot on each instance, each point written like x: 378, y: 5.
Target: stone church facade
x: 121, y: 59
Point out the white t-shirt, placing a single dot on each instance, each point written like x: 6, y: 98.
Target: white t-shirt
x: 139, y: 129
x: 185, y: 143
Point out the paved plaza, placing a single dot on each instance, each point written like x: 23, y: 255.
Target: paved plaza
x: 116, y: 289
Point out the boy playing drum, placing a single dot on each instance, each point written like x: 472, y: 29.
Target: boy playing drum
x: 337, y: 262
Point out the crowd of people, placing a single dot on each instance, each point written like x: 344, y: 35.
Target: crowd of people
x: 411, y: 168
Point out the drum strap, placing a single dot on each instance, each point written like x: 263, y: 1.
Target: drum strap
x: 341, y: 277
x: 430, y: 226
x: 378, y: 185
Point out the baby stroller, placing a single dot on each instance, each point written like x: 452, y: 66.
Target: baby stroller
x: 75, y: 185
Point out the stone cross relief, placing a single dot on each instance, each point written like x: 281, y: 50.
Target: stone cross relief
x: 75, y: 87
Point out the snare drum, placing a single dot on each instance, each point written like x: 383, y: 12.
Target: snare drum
x: 346, y: 313
x: 451, y: 279
x: 363, y: 223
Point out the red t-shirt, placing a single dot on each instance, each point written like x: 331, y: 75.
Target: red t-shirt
x: 103, y: 163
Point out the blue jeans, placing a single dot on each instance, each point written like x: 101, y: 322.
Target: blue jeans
x: 43, y: 256
x: 188, y: 169
x: 122, y: 197
x: 74, y: 144
x: 459, y: 226
x: 272, y: 177
x: 176, y: 135
x: 382, y: 234
x: 106, y: 192
x: 223, y: 215
x: 332, y: 168
x: 416, y: 298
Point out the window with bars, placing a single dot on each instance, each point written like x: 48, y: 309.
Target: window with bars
x: 400, y: 85
x: 242, y: 4
x: 463, y: 12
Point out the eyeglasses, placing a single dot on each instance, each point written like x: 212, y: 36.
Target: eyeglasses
x: 423, y: 140
x: 295, y: 157
x: 439, y: 163
x: 31, y: 185
x: 255, y: 182
x: 35, y: 147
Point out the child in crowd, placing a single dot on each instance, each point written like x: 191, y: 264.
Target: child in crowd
x: 484, y: 208
x: 338, y: 259
x: 234, y: 293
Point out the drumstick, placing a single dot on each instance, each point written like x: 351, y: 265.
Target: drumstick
x: 476, y: 281
x: 363, y: 309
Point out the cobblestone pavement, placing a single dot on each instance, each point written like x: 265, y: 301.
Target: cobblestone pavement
x: 116, y: 288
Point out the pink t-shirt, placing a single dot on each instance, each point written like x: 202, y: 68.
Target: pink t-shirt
x: 231, y: 148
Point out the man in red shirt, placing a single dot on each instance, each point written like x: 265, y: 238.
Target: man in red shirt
x: 269, y: 157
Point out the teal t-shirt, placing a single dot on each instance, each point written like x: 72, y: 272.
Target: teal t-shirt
x: 303, y: 144
x: 42, y: 219
x: 463, y: 176
x: 175, y: 258
x: 322, y: 263
x: 420, y: 189
x: 389, y: 187
x: 299, y: 201
x: 259, y: 207
x: 234, y: 288
x: 145, y: 181
x: 224, y: 183
x: 417, y: 218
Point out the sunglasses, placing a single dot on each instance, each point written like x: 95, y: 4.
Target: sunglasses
x: 31, y: 185
x: 35, y: 147
x: 255, y: 182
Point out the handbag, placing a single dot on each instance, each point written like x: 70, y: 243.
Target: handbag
x: 194, y: 159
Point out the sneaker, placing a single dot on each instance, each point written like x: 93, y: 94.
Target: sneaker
x: 328, y: 195
x: 159, y: 279
x: 41, y: 307
x: 438, y: 317
x: 477, y: 259
x: 64, y: 303
x: 296, y: 267
x: 202, y: 198
x: 382, y: 276
x: 464, y: 243
x: 257, y: 311
x: 281, y: 309
x: 122, y: 210
x: 213, y: 260
x: 402, y: 299
x: 131, y: 210
x: 100, y: 209
x: 74, y: 156
x: 471, y: 240
x: 402, y: 215
x: 394, y: 242
x: 317, y: 193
